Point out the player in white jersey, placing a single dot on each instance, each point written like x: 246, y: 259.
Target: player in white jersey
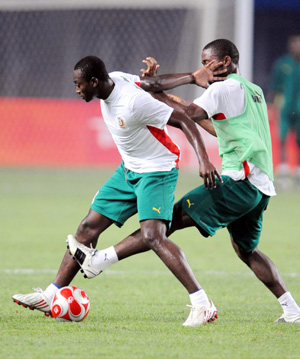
x: 239, y: 202
x: 144, y: 183
x: 132, y: 117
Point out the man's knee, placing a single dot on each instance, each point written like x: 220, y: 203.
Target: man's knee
x: 153, y: 233
x: 91, y: 227
x: 241, y: 253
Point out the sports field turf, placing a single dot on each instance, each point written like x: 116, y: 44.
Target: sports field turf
x: 137, y: 307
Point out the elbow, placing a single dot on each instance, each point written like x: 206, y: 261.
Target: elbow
x: 152, y: 84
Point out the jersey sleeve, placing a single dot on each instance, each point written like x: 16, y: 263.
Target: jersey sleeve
x: 150, y: 111
x: 127, y: 77
x: 214, y: 99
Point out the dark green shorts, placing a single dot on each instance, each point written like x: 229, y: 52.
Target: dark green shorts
x: 151, y: 195
x: 237, y: 205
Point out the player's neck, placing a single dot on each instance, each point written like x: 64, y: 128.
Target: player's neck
x: 106, y: 89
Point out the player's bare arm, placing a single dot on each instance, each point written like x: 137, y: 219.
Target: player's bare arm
x: 193, y: 111
x: 206, y: 169
x: 151, y: 82
x: 196, y: 113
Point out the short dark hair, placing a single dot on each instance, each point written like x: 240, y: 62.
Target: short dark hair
x: 92, y: 66
x: 224, y: 47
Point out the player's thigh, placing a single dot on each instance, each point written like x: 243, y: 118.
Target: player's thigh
x: 116, y: 198
x: 246, y: 230
x: 155, y: 195
x: 216, y: 208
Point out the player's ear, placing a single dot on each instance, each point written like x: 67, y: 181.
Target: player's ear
x: 94, y: 81
x: 227, y: 61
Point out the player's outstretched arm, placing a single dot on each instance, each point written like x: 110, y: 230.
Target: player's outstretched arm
x: 193, y: 111
x: 206, y: 169
x: 151, y: 82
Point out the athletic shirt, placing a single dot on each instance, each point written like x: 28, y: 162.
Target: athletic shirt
x: 226, y: 100
x: 285, y: 79
x: 137, y: 123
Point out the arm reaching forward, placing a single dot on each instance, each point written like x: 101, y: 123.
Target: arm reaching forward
x: 206, y: 169
x: 151, y: 82
x: 200, y: 117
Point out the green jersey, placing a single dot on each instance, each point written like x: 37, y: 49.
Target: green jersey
x: 246, y: 137
x: 285, y: 79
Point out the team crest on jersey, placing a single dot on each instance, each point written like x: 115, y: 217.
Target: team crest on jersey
x: 121, y: 121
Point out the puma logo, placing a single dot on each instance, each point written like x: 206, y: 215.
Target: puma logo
x: 156, y: 209
x: 189, y: 203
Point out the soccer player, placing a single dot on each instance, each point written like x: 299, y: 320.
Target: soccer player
x: 144, y: 183
x: 239, y: 114
x: 285, y: 94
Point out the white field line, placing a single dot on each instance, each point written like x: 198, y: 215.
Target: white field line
x: 108, y: 272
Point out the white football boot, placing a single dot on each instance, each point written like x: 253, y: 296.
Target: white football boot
x: 289, y: 319
x: 36, y: 300
x: 200, y: 315
x: 83, y: 256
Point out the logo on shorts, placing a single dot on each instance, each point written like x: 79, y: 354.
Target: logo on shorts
x: 189, y: 203
x: 121, y: 121
x: 156, y: 209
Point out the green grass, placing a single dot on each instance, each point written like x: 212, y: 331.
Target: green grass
x: 137, y: 307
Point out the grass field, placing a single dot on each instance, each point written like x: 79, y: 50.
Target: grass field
x: 137, y: 307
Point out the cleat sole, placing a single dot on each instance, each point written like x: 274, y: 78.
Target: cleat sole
x: 47, y: 314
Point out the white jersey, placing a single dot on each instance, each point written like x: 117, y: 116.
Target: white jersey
x: 137, y: 123
x: 224, y: 100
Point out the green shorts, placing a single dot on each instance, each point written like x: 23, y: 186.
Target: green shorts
x: 237, y: 205
x: 151, y: 195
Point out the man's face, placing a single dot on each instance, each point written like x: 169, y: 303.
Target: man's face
x: 209, y: 55
x: 294, y: 46
x: 84, y: 88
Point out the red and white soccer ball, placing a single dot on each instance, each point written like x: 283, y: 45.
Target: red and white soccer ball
x: 70, y: 304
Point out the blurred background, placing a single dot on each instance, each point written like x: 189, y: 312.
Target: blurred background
x: 42, y: 121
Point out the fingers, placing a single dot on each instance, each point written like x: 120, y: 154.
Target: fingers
x: 210, y: 179
x: 223, y: 71
x: 152, y: 67
x: 176, y: 98
x: 213, y: 65
x: 150, y: 60
x: 219, y: 176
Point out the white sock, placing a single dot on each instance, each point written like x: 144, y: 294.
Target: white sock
x: 288, y: 304
x: 199, y: 298
x: 51, y: 290
x: 104, y: 258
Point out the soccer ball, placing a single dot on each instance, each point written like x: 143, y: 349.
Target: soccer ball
x: 70, y: 304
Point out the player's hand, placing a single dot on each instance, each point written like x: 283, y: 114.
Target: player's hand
x: 209, y: 174
x: 152, y: 67
x: 209, y: 73
x: 176, y: 98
